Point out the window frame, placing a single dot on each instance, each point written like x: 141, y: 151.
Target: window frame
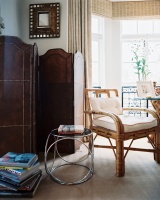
x: 100, y: 39
x: 133, y: 37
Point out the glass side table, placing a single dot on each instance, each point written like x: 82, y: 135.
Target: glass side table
x: 147, y: 99
x: 62, y: 164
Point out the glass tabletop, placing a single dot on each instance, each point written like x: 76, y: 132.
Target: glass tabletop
x: 85, y: 133
x: 147, y: 98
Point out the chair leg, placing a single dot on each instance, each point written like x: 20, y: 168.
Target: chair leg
x: 120, y: 161
x: 91, y: 145
x: 157, y: 145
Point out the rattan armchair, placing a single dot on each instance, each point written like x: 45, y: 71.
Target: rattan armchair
x: 107, y: 119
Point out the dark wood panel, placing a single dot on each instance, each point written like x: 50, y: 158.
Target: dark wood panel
x: 11, y: 94
x: 61, y: 99
x: 12, y: 139
x: 17, y: 82
x: 34, y: 136
x: 56, y: 94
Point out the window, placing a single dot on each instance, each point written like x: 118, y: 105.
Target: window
x: 97, y: 50
x: 144, y: 34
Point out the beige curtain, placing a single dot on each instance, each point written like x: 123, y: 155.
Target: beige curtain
x: 79, y: 33
x: 127, y: 10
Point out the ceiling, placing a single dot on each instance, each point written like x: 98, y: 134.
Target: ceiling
x: 129, y: 0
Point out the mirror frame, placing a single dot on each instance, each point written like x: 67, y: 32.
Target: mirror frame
x: 50, y: 26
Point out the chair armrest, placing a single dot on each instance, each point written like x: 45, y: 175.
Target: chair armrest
x: 112, y: 115
x: 116, y: 119
x: 152, y: 112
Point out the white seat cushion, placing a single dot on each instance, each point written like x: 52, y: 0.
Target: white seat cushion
x: 131, y: 123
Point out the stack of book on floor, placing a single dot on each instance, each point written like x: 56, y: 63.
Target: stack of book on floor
x: 19, y: 174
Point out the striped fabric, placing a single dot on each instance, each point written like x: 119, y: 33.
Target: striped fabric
x: 127, y: 10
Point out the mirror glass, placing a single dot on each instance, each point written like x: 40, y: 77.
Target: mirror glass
x: 43, y: 19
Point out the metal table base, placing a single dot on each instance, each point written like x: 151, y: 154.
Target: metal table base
x: 89, y: 167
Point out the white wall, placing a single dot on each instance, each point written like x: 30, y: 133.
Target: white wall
x: 116, y: 55
x: 108, y: 51
x: 10, y: 14
x: 48, y: 43
x: 16, y: 18
x: 113, y: 55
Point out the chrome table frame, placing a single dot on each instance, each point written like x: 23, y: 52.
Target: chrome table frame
x: 76, y: 137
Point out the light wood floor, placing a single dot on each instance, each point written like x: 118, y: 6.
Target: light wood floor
x: 141, y: 180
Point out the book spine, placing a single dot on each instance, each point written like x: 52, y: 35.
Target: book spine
x: 14, y: 167
x: 10, y: 176
x: 12, y: 171
x: 9, y: 179
x: 10, y: 186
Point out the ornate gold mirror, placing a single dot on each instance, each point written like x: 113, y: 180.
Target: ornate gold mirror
x: 44, y: 20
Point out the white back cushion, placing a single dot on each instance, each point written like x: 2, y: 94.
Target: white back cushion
x: 106, y: 105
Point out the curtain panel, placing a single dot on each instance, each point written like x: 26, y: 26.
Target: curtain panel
x: 79, y: 33
x: 127, y: 10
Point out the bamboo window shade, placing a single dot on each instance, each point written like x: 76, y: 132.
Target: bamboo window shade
x: 127, y: 10
x: 102, y: 8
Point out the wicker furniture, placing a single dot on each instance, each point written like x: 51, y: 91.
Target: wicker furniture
x: 107, y: 119
x: 156, y: 104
